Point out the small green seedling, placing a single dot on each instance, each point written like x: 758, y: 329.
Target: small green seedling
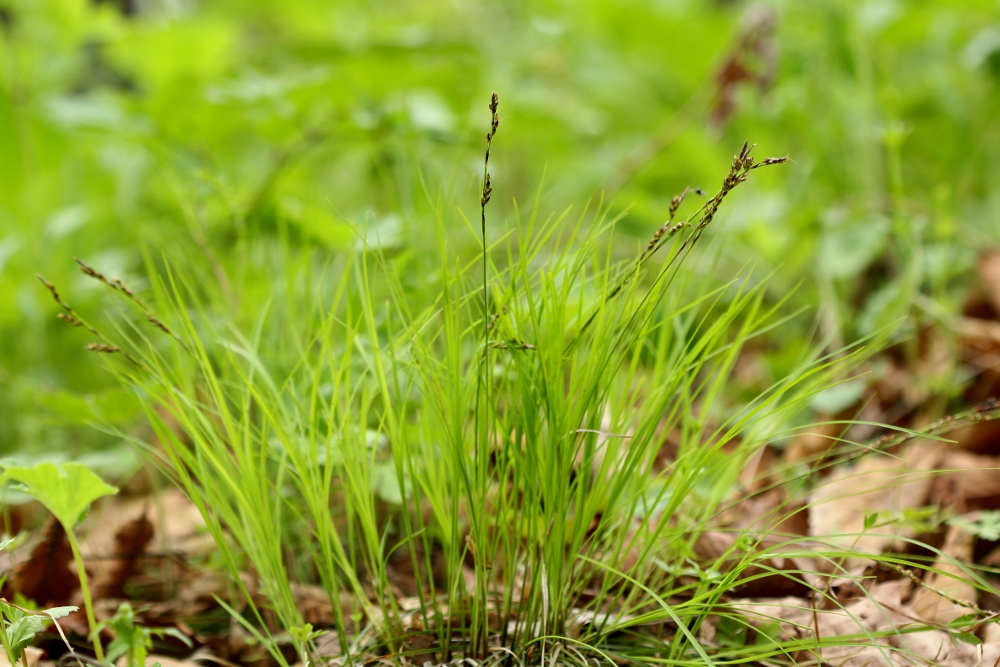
x: 303, y: 635
x: 986, y: 526
x: 17, y: 631
x: 67, y: 491
x: 18, y: 627
x: 916, y: 519
x: 131, y: 640
x: 963, y: 628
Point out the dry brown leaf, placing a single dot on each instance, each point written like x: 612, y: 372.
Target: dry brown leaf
x: 938, y: 648
x: 938, y: 600
x: 989, y: 277
x: 717, y: 547
x: 981, y: 356
x: 980, y: 438
x: 178, y: 524
x: 198, y: 593
x: 756, y: 474
x: 991, y: 634
x: 163, y: 660
x: 130, y: 545
x: 770, y: 512
x: 751, y: 62
x: 819, y: 439
x: 111, y: 543
x: 328, y: 645
x: 878, y: 483
x: 971, y: 482
x: 314, y: 604
x: 48, y: 577
x: 32, y: 656
x: 881, y: 611
x: 978, y: 333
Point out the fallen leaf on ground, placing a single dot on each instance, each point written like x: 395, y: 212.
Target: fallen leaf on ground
x: 48, y: 576
x: 971, y: 482
x: 989, y: 277
x: 162, y: 660
x: 32, y: 656
x: 130, y: 545
x: 765, y: 575
x: 877, y: 484
x: 979, y: 438
x: 940, y: 599
x: 881, y: 612
x: 819, y: 439
x: 178, y: 525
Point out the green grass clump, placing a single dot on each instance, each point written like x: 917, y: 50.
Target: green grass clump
x: 496, y: 432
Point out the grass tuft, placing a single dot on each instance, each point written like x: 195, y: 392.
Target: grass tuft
x: 470, y: 471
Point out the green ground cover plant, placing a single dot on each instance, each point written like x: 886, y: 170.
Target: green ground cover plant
x: 19, y: 626
x: 67, y: 491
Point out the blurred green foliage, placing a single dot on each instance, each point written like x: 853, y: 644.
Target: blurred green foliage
x: 179, y: 128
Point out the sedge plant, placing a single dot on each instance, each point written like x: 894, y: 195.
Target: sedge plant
x: 497, y: 431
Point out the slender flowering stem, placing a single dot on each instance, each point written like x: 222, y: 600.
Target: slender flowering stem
x: 739, y: 170
x: 74, y: 319
x: 487, y: 192
x: 118, y: 286
x: 482, y: 441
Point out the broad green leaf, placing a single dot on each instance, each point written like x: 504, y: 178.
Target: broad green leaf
x: 175, y: 50
x: 66, y: 490
x: 111, y: 406
x: 22, y: 631
x: 846, y: 251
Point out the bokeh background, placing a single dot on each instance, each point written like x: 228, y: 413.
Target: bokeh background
x: 135, y: 131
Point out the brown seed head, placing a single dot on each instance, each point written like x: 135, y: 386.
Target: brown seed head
x: 88, y: 270
x: 70, y: 319
x: 487, y: 191
x: 771, y: 160
x: 157, y: 323
x: 51, y: 288
x: 676, y: 202
x: 103, y: 348
x: 122, y: 287
x: 494, y: 103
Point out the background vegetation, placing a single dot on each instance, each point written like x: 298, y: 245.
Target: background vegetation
x: 187, y: 128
